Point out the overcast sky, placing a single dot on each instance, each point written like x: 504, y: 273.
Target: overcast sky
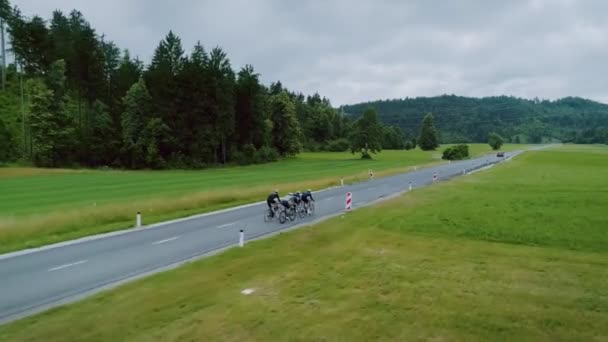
x: 352, y: 52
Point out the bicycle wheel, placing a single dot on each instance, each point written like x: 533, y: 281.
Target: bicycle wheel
x: 291, y: 213
x: 311, y: 207
x: 302, y: 211
x: 282, y: 217
x: 268, y: 216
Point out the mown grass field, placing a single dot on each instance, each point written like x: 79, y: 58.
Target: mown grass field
x: 516, y: 253
x: 41, y: 206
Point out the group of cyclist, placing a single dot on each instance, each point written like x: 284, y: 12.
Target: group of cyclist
x: 291, y: 201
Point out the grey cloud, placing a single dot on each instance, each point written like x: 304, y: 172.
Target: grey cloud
x: 353, y: 52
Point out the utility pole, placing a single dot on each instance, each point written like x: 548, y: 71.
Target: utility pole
x: 3, y: 54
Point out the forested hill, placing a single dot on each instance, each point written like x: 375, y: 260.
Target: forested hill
x: 465, y: 119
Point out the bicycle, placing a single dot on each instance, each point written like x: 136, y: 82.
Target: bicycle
x: 271, y: 213
x: 287, y: 213
x: 311, y: 208
x: 302, y: 210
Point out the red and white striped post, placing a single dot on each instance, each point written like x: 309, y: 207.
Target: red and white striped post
x: 349, y: 201
x: 435, y: 175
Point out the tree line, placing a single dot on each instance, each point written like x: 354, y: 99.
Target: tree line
x: 462, y: 119
x: 89, y: 103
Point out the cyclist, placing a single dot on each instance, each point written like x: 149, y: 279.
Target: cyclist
x: 307, y: 199
x: 297, y: 197
x: 272, y: 200
x: 289, y: 201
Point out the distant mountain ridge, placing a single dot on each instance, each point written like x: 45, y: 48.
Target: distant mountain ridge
x: 467, y: 119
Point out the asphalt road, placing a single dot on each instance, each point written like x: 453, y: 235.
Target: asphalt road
x: 42, y: 279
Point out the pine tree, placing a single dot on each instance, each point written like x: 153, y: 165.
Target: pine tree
x: 51, y: 128
x: 152, y: 138
x: 162, y: 82
x: 128, y: 73
x: 85, y: 65
x: 41, y: 122
x: 102, y: 138
x: 7, y: 146
x: 5, y: 9
x: 250, y: 108
x: 111, y: 63
x: 366, y: 135
x: 393, y: 138
x: 135, y: 118
x: 30, y: 42
x: 222, y: 102
x: 276, y: 88
x: 285, y: 126
x: 196, y: 141
x: 62, y: 41
x: 428, y: 140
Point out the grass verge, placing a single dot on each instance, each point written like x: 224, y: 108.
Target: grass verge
x: 43, y: 206
x: 450, y: 262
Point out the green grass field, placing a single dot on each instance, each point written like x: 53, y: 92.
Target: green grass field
x: 41, y: 206
x: 516, y: 253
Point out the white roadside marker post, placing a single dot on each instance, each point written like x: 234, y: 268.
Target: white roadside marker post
x: 241, y: 238
x: 138, y: 220
x: 411, y: 187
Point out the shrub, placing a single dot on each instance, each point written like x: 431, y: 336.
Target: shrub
x: 457, y: 152
x: 267, y: 154
x: 339, y: 145
x: 250, y: 154
x: 495, y: 141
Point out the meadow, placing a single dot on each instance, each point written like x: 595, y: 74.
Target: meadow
x: 518, y: 252
x: 42, y: 206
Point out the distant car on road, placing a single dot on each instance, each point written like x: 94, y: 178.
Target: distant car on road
x: 500, y: 154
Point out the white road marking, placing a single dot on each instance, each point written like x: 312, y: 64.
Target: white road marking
x: 227, y: 225
x: 66, y: 266
x: 374, y: 188
x: 166, y: 240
